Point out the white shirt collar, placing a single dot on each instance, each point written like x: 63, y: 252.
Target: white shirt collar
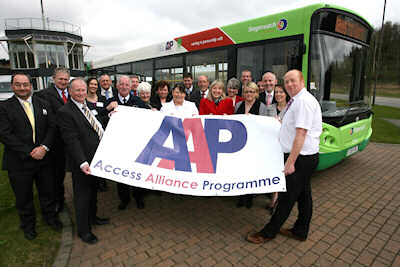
x: 78, y: 104
x: 22, y: 101
x: 122, y: 98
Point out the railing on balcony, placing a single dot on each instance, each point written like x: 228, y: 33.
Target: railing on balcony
x: 39, y: 24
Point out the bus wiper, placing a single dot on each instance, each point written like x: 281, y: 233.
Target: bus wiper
x: 351, y: 104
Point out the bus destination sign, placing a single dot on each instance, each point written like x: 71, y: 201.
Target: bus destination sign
x: 349, y: 27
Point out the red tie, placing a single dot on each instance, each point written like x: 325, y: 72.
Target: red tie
x: 64, y: 97
x: 202, y: 94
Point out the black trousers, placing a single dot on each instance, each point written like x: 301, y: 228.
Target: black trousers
x: 124, y: 193
x: 85, y: 200
x: 59, y: 177
x: 298, y: 189
x: 22, y: 184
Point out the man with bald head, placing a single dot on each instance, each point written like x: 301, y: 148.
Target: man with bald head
x: 196, y: 96
x: 269, y: 81
x: 81, y: 129
x: 125, y: 98
x: 299, y: 139
x: 106, y: 88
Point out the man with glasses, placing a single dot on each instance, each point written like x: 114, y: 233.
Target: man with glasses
x: 27, y: 131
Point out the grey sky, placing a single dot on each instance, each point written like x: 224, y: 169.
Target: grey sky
x: 115, y: 26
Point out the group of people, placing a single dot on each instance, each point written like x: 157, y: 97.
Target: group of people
x: 58, y: 129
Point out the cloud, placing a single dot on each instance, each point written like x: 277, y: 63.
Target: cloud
x: 115, y: 26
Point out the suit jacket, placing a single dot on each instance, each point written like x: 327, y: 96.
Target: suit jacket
x: 51, y: 95
x: 262, y: 97
x: 16, y: 133
x: 207, y: 107
x: 134, y: 101
x: 187, y: 97
x: 195, y: 97
x: 156, y: 102
x: 258, y: 108
x: 81, y: 140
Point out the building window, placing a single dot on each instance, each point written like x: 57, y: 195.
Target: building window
x: 76, y: 57
x: 21, y: 56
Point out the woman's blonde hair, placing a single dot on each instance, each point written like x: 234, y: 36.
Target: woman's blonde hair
x: 220, y: 84
x: 253, y: 86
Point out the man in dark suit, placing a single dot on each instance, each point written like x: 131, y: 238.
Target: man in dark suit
x: 269, y: 80
x: 81, y: 131
x: 106, y: 89
x: 188, y: 83
x: 123, y: 97
x: 57, y: 96
x: 27, y: 131
x: 197, y: 95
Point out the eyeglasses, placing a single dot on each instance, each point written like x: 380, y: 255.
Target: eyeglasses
x: 21, y: 84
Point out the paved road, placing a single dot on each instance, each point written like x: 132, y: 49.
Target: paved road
x: 379, y: 100
x: 356, y: 222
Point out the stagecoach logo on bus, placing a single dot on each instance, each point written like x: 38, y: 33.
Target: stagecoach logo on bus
x: 281, y: 25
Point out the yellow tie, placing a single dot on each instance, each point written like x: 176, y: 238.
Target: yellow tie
x: 31, y: 118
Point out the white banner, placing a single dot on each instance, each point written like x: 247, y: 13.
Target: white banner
x: 199, y: 156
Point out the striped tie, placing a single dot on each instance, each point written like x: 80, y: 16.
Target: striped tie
x: 92, y: 121
x: 31, y: 117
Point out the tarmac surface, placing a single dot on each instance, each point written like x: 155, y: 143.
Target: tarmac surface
x: 356, y: 222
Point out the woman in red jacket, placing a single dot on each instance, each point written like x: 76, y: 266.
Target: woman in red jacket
x: 216, y: 102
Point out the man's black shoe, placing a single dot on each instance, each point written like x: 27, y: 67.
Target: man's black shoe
x: 30, y: 234
x: 89, y: 238
x: 101, y: 221
x: 140, y: 203
x: 56, y: 225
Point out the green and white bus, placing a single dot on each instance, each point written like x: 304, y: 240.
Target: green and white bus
x: 329, y: 44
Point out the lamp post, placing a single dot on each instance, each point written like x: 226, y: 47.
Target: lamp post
x: 379, y: 54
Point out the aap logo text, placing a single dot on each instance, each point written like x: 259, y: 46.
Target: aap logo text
x: 206, y: 143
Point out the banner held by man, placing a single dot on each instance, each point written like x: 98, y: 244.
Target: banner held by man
x: 200, y: 155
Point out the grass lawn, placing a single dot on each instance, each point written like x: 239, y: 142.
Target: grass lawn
x: 383, y: 131
x: 15, y: 250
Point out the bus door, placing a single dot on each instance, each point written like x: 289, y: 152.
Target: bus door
x: 169, y: 69
x: 213, y: 64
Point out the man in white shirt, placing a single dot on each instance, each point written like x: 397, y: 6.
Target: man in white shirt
x: 299, y: 139
x: 269, y: 80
